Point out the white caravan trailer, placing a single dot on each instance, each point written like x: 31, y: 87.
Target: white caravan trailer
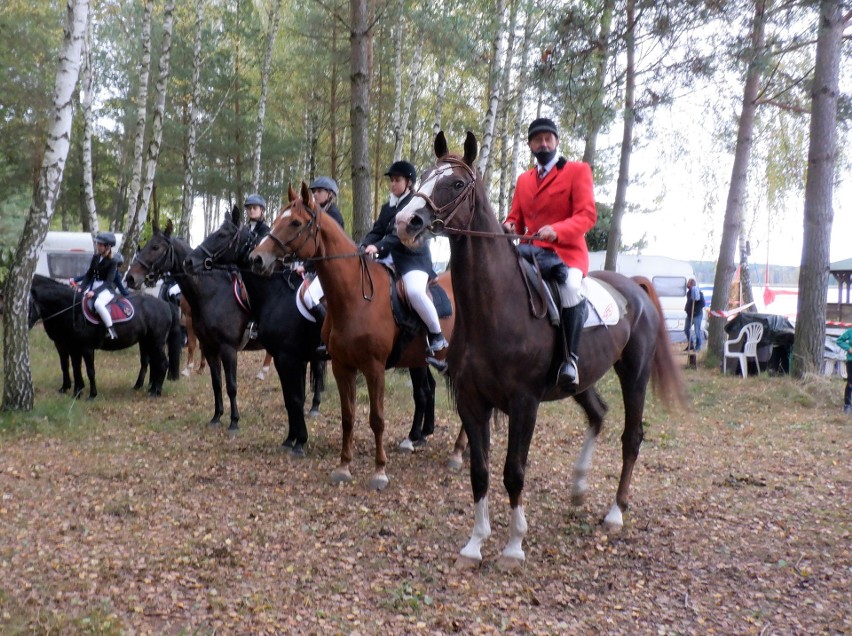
x: 669, y: 276
x: 67, y: 254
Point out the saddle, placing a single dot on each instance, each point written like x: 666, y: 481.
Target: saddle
x: 545, y: 272
x: 240, y: 292
x: 120, y: 310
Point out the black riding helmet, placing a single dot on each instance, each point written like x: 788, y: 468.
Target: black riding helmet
x: 107, y: 238
x: 402, y: 169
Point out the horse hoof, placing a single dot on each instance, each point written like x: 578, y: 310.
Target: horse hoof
x: 509, y: 564
x: 91, y: 397
x: 63, y: 389
x: 379, y: 482
x: 288, y: 443
x: 214, y: 423
x: 578, y: 499
x: 314, y: 412
x: 136, y: 387
x: 420, y: 443
x: 466, y: 563
x: 341, y: 476
x: 612, y: 528
x: 406, y: 445
x: 297, y: 451
x: 186, y: 372
x: 154, y: 394
x: 455, y: 463
x: 614, y: 521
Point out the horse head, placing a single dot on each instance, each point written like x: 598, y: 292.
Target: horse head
x: 437, y: 205
x: 228, y: 245
x: 294, y: 232
x: 154, y: 259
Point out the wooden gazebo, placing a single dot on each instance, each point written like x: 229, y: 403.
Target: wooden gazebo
x: 842, y: 272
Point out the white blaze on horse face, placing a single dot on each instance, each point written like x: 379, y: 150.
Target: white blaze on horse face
x: 427, y: 187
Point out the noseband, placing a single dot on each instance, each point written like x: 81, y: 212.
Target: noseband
x: 155, y: 270
x: 311, y: 228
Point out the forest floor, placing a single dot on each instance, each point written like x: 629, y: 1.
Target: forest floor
x: 130, y: 515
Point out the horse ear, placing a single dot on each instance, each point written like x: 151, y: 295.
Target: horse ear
x: 235, y: 214
x: 470, y: 148
x: 441, y: 148
x: 306, y: 194
x: 291, y: 193
x: 169, y: 228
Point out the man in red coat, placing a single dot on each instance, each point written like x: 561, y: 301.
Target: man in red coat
x: 555, y: 200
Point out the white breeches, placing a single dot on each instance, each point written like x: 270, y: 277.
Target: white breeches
x: 313, y: 294
x: 572, y: 288
x: 102, y: 299
x: 416, y: 282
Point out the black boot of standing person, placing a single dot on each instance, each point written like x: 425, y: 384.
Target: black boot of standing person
x: 573, y: 318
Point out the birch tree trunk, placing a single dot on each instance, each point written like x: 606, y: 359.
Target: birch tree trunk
x: 414, y: 79
x: 185, y: 221
x: 91, y: 224
x: 18, y: 394
x: 141, y: 117
x: 439, y: 99
x: 813, y: 276
x: 397, y: 84
x: 613, y: 244
x: 505, y: 107
x: 493, y: 97
x: 521, y: 88
x: 274, y: 19
x: 359, y: 116
x: 131, y: 238
x: 739, y: 175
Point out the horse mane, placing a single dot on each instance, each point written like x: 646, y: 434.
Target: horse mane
x: 46, y: 280
x: 665, y: 373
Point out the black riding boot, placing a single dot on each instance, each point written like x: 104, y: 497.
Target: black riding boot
x: 318, y: 312
x: 572, y: 326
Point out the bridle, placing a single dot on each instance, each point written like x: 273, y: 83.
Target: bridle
x: 233, y: 244
x: 311, y: 228
x: 157, y: 269
x: 439, y: 224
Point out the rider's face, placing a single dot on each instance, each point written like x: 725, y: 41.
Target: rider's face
x: 545, y: 141
x: 398, y: 185
x: 255, y: 212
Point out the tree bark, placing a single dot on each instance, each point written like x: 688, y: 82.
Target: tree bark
x: 359, y: 116
x: 523, y: 78
x: 397, y: 83
x: 134, y: 231
x: 414, y: 79
x: 18, y: 394
x: 497, y: 50
x: 191, y: 127
x: 141, y: 117
x: 274, y: 19
x: 813, y: 275
x: 613, y: 245
x: 505, y: 107
x: 725, y: 267
x: 602, y: 53
x: 88, y: 117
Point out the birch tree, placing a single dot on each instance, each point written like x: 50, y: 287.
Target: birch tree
x: 497, y: 51
x: 137, y: 219
x: 359, y: 115
x: 274, y: 19
x: 18, y: 391
x: 86, y: 97
x: 736, y: 191
x: 813, y: 276
x: 187, y: 195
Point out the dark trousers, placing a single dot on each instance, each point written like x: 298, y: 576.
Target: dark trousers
x: 847, y: 394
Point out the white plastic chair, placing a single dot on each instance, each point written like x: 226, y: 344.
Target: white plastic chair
x: 752, y: 332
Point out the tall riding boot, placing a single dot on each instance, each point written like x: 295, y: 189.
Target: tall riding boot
x: 572, y: 326
x: 318, y: 312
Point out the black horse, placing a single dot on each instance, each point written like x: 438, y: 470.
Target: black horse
x: 154, y: 326
x: 219, y: 322
x: 289, y: 337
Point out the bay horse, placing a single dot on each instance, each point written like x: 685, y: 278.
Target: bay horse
x: 155, y: 326
x: 359, y: 328
x: 503, y: 357
x: 219, y: 322
x: 289, y: 337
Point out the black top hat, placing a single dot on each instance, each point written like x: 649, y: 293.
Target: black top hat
x: 543, y: 124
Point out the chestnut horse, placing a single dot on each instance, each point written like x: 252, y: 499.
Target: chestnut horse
x: 503, y: 356
x: 359, y: 328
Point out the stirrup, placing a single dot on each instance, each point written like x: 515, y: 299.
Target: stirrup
x: 568, y: 378
x: 111, y: 333
x: 437, y: 342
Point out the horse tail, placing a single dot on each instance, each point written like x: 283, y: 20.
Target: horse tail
x: 175, y: 343
x: 666, y: 378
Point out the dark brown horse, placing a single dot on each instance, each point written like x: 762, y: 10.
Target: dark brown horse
x: 359, y: 329
x: 503, y: 356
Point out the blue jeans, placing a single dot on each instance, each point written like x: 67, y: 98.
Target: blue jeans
x: 693, y: 332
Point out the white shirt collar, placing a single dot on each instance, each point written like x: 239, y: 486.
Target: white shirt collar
x: 549, y: 165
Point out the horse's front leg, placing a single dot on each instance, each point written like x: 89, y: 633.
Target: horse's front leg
x: 143, y: 368
x: 345, y: 377
x: 77, y: 370
x: 215, y: 365
x: 317, y: 386
x: 476, y: 419
x: 375, y: 378
x: 229, y: 362
x: 418, y: 393
x: 89, y: 360
x: 291, y: 373
x: 64, y: 367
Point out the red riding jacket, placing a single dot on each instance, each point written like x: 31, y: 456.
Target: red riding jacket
x: 565, y: 200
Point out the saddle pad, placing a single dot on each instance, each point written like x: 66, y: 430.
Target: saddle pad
x: 120, y: 309
x: 300, y: 300
x: 605, y: 304
x: 441, y: 300
x: 240, y: 293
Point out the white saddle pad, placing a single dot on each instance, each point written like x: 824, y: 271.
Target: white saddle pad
x: 604, y: 309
